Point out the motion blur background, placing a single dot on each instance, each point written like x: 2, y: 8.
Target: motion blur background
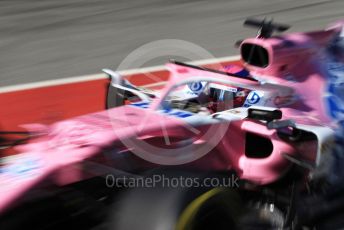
x: 48, y: 39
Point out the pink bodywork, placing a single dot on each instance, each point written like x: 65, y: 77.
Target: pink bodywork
x: 64, y: 147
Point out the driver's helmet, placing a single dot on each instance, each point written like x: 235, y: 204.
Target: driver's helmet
x: 222, y: 97
x: 236, y: 69
x: 226, y: 97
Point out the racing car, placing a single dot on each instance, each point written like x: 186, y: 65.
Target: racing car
x: 275, y: 123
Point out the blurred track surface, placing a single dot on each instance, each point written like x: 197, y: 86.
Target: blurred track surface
x: 50, y: 39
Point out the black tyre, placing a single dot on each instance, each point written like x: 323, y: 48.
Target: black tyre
x: 162, y: 208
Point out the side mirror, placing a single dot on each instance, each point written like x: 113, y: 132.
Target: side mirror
x: 115, y: 96
x: 116, y: 78
x: 280, y: 124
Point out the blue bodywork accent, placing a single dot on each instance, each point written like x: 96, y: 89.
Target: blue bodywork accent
x: 254, y: 98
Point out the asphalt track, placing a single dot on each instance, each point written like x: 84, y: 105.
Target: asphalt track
x: 51, y: 39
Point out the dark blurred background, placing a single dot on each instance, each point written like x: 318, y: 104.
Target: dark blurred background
x: 47, y: 39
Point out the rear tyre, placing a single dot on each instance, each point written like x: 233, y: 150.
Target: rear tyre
x: 179, y: 208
